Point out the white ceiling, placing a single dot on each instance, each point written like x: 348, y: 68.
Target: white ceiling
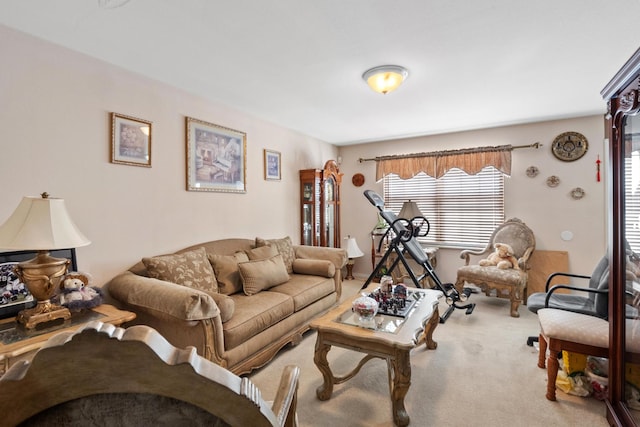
x: 298, y: 63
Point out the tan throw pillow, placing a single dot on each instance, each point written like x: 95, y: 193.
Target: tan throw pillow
x: 226, y: 270
x: 262, y: 252
x: 262, y: 274
x: 190, y: 269
x: 284, y: 247
x: 314, y: 267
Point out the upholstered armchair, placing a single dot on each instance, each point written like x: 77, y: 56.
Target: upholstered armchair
x: 508, y: 283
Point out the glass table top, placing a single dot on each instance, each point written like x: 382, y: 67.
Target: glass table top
x: 12, y: 332
x: 383, y: 322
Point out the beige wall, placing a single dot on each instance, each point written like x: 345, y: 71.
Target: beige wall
x: 548, y: 211
x: 54, y: 134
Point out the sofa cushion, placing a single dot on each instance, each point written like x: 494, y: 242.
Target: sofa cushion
x: 284, y: 247
x: 254, y: 314
x: 262, y: 252
x: 190, y: 269
x: 226, y: 270
x: 305, y: 289
x: 315, y: 267
x: 262, y: 274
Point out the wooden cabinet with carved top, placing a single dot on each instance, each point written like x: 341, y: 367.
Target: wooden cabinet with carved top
x: 320, y: 206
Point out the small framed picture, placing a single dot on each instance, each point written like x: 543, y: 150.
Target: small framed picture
x: 130, y: 141
x: 216, y: 158
x: 272, y: 168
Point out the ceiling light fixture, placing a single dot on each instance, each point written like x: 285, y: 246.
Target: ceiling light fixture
x: 385, y: 78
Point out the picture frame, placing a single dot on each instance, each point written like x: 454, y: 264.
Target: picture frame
x: 216, y: 157
x: 130, y: 140
x: 272, y: 165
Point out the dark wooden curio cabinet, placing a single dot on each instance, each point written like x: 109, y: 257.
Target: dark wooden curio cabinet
x: 622, y: 124
x: 320, y: 206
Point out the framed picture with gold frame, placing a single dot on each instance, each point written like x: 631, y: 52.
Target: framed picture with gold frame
x: 272, y: 168
x: 216, y: 158
x: 130, y: 140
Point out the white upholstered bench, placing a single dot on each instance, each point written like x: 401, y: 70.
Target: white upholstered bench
x: 578, y: 333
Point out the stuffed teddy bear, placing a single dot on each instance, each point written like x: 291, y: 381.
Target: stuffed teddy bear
x: 502, y: 258
x: 76, y: 295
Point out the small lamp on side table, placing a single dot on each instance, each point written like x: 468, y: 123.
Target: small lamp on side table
x: 41, y: 224
x: 353, y: 251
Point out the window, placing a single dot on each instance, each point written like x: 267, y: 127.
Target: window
x: 463, y: 210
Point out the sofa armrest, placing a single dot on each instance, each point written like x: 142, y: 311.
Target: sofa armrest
x: 168, y: 298
x: 337, y: 256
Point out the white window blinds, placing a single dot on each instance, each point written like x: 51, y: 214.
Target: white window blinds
x: 463, y: 210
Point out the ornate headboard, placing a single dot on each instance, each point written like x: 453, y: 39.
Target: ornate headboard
x: 135, y: 377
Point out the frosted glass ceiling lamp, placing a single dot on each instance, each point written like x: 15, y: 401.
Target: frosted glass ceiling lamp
x: 41, y: 224
x: 385, y: 78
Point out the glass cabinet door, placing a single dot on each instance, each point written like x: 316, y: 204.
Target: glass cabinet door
x: 307, y: 224
x: 630, y: 218
x: 329, y: 214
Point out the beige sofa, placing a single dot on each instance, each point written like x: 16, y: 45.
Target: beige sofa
x: 237, y: 301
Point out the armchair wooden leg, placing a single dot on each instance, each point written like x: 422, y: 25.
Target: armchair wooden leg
x: 543, y: 352
x: 552, y: 374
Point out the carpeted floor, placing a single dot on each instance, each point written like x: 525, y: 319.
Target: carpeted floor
x: 481, y: 374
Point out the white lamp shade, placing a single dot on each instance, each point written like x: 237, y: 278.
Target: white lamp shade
x: 40, y: 224
x: 409, y: 210
x: 353, y: 251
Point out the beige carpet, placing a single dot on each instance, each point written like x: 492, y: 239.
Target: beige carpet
x: 481, y: 374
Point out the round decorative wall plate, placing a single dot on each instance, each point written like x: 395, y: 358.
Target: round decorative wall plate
x: 553, y: 181
x: 532, y: 171
x: 357, y: 179
x: 569, y: 146
x: 577, y: 193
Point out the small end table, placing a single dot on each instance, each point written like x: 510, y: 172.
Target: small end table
x: 18, y: 341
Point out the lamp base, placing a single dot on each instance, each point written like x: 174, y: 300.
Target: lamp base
x: 44, y: 311
x: 349, y: 275
x: 42, y: 276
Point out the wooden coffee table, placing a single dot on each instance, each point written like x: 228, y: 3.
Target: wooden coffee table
x: 392, y: 341
x: 17, y: 341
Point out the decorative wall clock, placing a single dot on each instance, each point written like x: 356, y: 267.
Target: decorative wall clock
x: 569, y: 146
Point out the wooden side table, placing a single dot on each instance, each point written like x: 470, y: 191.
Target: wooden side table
x: 17, y: 341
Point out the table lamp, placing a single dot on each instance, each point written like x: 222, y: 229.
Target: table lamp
x: 41, y: 224
x: 410, y: 212
x: 353, y: 251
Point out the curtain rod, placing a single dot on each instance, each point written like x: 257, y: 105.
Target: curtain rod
x: 535, y: 145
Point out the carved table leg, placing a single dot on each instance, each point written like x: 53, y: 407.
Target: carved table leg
x: 320, y: 359
x: 434, y: 320
x: 400, y: 371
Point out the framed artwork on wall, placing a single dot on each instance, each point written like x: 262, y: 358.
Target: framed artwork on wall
x: 272, y: 167
x: 130, y: 140
x: 216, y: 158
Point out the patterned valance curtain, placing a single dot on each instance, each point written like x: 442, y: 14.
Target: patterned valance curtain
x: 438, y: 163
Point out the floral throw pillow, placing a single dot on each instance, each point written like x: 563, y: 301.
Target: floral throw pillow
x: 285, y: 248
x: 191, y: 269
